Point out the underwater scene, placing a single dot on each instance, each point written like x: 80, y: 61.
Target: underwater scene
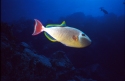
x: 62, y: 40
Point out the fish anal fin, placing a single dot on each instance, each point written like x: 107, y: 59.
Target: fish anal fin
x: 50, y: 37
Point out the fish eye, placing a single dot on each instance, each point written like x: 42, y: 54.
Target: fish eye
x: 83, y: 34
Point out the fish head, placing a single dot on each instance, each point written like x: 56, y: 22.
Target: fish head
x: 84, y: 39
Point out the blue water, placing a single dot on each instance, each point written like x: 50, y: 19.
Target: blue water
x: 105, y: 30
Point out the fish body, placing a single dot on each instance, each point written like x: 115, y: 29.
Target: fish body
x: 68, y: 36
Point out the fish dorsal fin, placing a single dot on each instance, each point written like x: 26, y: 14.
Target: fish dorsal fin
x: 52, y: 25
x: 63, y: 24
x: 49, y: 37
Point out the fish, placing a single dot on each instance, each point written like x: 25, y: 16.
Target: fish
x: 69, y: 36
x: 103, y: 10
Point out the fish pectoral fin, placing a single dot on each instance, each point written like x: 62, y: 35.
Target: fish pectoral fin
x: 50, y: 37
x: 75, y: 37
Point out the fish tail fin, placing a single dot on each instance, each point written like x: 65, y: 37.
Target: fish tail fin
x: 38, y: 28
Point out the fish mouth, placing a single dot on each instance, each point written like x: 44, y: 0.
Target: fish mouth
x: 87, y: 41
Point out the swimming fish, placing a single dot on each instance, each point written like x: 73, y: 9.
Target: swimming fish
x: 103, y: 10
x: 68, y: 36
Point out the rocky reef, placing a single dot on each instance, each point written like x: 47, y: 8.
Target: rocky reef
x: 20, y: 62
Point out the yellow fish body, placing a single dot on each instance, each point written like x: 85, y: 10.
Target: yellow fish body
x: 68, y: 36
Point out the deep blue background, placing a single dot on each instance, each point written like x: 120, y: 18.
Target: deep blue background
x: 105, y: 30
x: 53, y: 9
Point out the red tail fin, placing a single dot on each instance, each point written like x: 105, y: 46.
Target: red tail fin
x: 38, y: 28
